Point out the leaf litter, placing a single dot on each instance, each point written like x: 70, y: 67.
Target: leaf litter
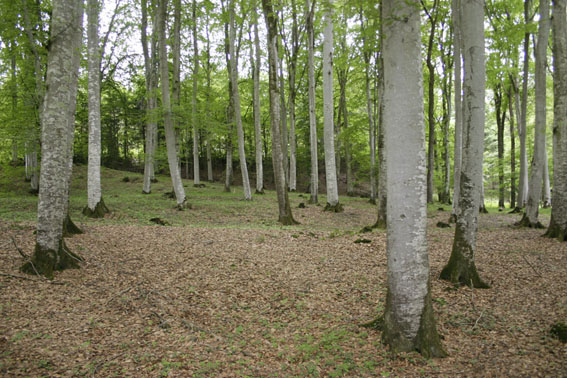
x: 226, y: 302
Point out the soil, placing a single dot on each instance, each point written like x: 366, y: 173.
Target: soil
x: 225, y: 301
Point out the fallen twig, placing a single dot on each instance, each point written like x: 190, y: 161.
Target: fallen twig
x: 477, y: 320
x: 531, y: 266
x: 14, y: 276
x: 19, y: 249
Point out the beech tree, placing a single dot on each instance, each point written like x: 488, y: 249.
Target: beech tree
x: 170, y: 138
x: 256, y: 60
x: 409, y: 323
x: 95, y: 204
x: 236, y: 99
x: 461, y: 267
x: 58, y: 119
x: 558, y: 224
x: 284, y: 208
x: 151, y: 76
x: 328, y: 117
x: 314, y: 182
x: 530, y: 217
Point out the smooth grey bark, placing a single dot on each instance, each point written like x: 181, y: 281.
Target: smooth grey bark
x: 447, y: 62
x: 230, y: 108
x: 150, y: 66
x: 57, y: 136
x: 95, y: 205
x: 461, y: 267
x: 512, y: 149
x: 256, y: 61
x: 523, y: 189
x: 530, y: 218
x: 314, y: 181
x: 458, y: 143
x: 328, y: 117
x: 381, y: 194
x: 170, y: 138
x: 409, y: 323
x: 284, y: 208
x: 237, y: 112
x: 196, y: 170
x: 558, y: 224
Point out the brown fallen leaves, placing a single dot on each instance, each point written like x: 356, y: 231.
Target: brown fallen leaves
x: 224, y: 302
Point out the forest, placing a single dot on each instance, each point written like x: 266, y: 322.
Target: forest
x: 283, y: 188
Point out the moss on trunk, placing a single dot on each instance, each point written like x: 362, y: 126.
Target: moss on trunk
x: 70, y: 228
x: 46, y: 261
x: 259, y: 191
x: 98, y: 212
x: 380, y: 223
x: 525, y: 222
x: 556, y: 231
x: 427, y: 341
x: 461, y: 270
x: 338, y: 208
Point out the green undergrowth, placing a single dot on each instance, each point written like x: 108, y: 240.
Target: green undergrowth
x: 210, y: 206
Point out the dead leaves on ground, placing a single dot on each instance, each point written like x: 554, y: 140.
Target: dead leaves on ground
x: 184, y: 301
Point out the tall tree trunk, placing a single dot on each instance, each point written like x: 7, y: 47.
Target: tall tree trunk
x: 512, y: 150
x: 314, y: 182
x: 530, y: 218
x: 445, y: 195
x: 369, y: 108
x: 150, y: 62
x: 292, y: 96
x: 329, y: 131
x: 208, y: 133
x: 50, y: 253
x: 95, y: 205
x: 431, y: 102
x: 500, y: 120
x: 33, y: 139
x: 230, y: 108
x: 166, y: 103
x: 409, y: 323
x: 461, y: 267
x: 558, y: 224
x: 284, y: 208
x: 379, y: 90
x: 256, y: 61
x: 237, y: 114
x: 176, y: 80
x: 522, y: 126
x: 458, y: 144
x: 196, y: 171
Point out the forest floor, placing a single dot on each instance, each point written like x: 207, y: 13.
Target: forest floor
x: 223, y: 291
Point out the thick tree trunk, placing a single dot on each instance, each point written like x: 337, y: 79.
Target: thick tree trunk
x: 461, y: 267
x: 546, y: 194
x: 170, y: 138
x: 558, y: 224
x: 328, y: 117
x: 409, y: 323
x: 237, y: 113
x: 530, y: 218
x: 57, y: 119
x: 95, y: 205
x: 314, y: 181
